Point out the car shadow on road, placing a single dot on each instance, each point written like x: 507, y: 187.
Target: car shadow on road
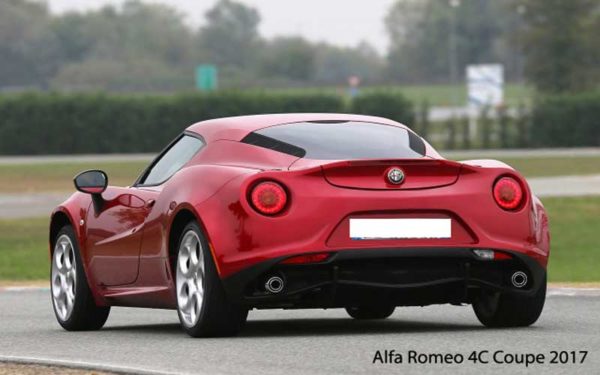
x: 316, y: 327
x: 342, y: 326
x: 147, y: 328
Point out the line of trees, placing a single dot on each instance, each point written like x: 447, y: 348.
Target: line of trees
x: 422, y: 31
x: 149, y: 47
x: 552, y: 44
x: 138, y: 46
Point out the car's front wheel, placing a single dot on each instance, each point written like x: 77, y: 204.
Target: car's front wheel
x: 202, y: 305
x: 73, y: 303
x: 494, y: 309
x: 370, y: 311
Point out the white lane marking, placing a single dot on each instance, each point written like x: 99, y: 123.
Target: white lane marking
x: 90, y: 158
x: 25, y: 288
x: 83, y: 365
x: 573, y: 292
x: 559, y: 186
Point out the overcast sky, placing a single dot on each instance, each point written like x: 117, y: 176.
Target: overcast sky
x: 341, y: 22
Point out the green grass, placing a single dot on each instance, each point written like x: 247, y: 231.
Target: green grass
x: 435, y: 95
x: 450, y: 95
x: 24, y: 249
x: 574, y: 224
x: 35, y: 178
x: 58, y: 177
x: 574, y: 246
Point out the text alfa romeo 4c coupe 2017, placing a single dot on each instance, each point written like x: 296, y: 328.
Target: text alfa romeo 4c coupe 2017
x: 300, y: 211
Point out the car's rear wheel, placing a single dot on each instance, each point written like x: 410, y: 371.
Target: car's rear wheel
x: 73, y: 303
x: 370, y: 311
x: 495, y: 309
x: 202, y: 305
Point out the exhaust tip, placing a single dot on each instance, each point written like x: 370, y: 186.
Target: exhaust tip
x: 274, y: 284
x: 519, y: 279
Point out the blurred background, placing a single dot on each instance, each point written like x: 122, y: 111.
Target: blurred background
x: 515, y: 80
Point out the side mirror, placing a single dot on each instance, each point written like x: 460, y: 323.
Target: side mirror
x: 91, y: 182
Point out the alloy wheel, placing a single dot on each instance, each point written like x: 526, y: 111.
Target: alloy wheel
x: 190, y: 278
x: 64, y: 276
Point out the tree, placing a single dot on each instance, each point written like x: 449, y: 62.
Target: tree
x: 230, y: 36
x: 420, y: 32
x: 135, y: 30
x: 135, y: 47
x: 289, y: 57
x: 27, y: 48
x: 560, y: 41
x: 335, y: 64
x: 73, y: 40
x: 144, y: 75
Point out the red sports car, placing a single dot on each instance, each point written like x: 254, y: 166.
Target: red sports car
x: 300, y: 211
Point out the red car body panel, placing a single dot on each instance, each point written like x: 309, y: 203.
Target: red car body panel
x: 125, y: 247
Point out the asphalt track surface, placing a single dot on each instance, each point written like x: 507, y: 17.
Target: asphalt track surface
x: 300, y: 342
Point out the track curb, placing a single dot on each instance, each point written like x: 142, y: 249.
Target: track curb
x: 81, y: 365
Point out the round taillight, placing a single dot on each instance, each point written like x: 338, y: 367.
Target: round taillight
x: 268, y: 198
x: 508, y: 193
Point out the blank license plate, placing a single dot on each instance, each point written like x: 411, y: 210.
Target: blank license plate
x: 370, y: 229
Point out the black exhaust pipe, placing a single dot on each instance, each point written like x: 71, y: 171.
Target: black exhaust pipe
x: 274, y: 284
x: 519, y: 279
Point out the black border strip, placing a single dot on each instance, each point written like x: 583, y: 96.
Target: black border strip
x: 260, y: 140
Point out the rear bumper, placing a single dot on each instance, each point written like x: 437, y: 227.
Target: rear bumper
x: 403, y: 277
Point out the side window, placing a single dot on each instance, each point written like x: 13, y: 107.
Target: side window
x: 173, y: 160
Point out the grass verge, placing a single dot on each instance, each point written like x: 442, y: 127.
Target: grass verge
x: 24, y: 249
x: 551, y: 166
x: 50, y: 177
x: 574, y: 224
x: 441, y: 95
x: 574, y: 249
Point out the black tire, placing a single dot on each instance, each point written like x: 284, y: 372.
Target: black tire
x: 85, y: 315
x: 370, y: 312
x: 218, y: 317
x: 505, y: 310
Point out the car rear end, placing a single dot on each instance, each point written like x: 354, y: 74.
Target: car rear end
x: 404, y: 228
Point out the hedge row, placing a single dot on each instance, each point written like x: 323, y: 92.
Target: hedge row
x: 100, y: 123
x: 566, y: 121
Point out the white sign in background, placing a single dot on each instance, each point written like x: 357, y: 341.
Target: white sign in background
x: 485, y: 86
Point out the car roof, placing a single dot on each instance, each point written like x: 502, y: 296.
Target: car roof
x: 236, y: 128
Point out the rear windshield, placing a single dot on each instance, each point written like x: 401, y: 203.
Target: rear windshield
x: 339, y: 140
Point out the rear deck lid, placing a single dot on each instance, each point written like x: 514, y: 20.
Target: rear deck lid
x: 392, y: 174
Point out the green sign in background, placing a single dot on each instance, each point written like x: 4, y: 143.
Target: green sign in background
x: 206, y: 77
